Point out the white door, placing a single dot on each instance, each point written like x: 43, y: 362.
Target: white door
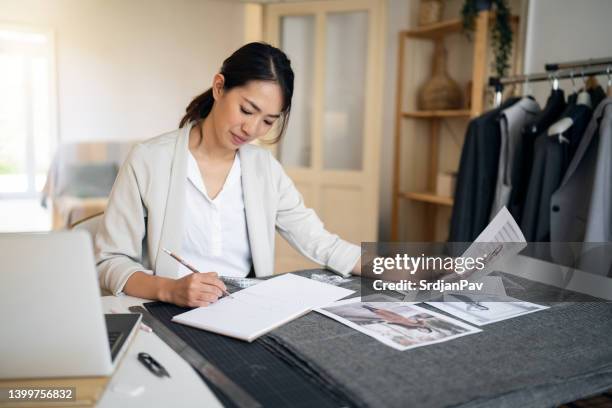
x: 331, y: 148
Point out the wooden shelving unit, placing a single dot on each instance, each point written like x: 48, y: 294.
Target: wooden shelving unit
x: 460, y: 113
x: 428, y: 198
x: 435, y: 32
x: 444, y: 28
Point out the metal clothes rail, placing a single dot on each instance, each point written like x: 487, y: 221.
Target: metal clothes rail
x: 555, y: 72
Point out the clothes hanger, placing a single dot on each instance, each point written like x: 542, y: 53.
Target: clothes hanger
x: 527, y: 99
x: 584, y: 98
x: 562, y: 125
x: 591, y: 83
x: 554, y: 82
x: 498, y: 95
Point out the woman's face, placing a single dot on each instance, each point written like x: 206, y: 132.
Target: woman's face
x: 243, y: 114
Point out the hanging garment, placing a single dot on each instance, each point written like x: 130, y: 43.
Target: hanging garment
x: 511, y: 123
x: 523, y: 156
x: 599, y: 218
x: 551, y: 159
x: 477, y: 176
x: 597, y: 96
x: 571, y: 102
x: 581, y: 115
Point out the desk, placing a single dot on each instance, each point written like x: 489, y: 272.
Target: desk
x: 545, y: 358
x: 184, y: 386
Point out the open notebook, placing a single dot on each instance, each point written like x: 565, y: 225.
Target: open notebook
x: 258, y: 309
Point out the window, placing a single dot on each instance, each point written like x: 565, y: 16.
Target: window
x: 27, y: 115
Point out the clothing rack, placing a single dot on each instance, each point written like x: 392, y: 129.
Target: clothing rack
x: 548, y: 165
x: 555, y: 72
x: 577, y: 64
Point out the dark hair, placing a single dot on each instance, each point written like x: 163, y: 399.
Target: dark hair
x: 256, y: 61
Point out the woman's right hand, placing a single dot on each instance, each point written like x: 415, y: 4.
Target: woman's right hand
x: 196, y: 289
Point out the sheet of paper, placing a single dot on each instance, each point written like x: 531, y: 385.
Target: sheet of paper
x: 492, y: 285
x: 256, y: 310
x: 399, y: 325
x: 484, y: 309
x: 502, y: 228
x: 501, y: 238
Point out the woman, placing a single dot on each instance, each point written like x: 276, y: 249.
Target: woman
x: 206, y: 194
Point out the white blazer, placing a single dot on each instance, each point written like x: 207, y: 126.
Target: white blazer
x: 147, y: 202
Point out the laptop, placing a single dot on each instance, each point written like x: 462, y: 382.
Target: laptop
x: 51, y: 316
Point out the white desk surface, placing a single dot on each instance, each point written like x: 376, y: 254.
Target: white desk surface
x: 184, y: 388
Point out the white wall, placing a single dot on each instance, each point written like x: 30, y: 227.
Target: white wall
x: 566, y: 30
x: 126, y: 70
x: 399, y: 15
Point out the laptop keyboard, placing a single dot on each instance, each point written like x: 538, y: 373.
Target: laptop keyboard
x: 113, y: 339
x: 119, y: 327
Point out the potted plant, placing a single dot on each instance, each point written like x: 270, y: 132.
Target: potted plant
x: 501, y: 31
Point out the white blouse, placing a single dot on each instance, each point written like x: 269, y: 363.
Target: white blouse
x: 215, y: 236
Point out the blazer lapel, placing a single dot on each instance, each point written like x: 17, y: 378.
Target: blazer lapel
x: 254, y: 208
x: 172, y: 229
x: 585, y: 142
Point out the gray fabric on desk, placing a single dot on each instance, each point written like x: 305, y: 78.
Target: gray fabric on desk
x: 541, y: 359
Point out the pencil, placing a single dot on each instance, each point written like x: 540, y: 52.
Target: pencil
x: 188, y: 266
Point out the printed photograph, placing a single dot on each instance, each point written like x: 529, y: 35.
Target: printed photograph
x: 481, y: 310
x: 397, y: 324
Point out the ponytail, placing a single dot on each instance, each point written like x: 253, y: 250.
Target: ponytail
x: 199, y: 108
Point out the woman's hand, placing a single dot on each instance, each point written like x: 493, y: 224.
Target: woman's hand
x: 196, y: 289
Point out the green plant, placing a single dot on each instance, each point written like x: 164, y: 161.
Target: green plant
x: 501, y: 31
x: 7, y: 168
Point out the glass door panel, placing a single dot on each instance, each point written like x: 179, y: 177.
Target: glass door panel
x: 344, y: 100
x: 298, y: 41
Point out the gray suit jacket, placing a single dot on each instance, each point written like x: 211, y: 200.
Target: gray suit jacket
x: 571, y: 202
x: 146, y: 205
x: 599, y: 223
x: 511, y: 123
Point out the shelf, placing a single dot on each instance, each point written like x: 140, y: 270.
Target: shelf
x: 458, y: 113
x: 437, y: 30
x: 411, y: 55
x: 428, y: 198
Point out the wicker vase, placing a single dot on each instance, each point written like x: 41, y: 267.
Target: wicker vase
x: 430, y: 12
x: 440, y: 92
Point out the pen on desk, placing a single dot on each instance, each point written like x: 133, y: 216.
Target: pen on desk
x: 143, y: 326
x: 191, y: 268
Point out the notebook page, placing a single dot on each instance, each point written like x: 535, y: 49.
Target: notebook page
x: 258, y: 309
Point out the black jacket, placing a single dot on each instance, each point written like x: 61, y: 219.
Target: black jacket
x: 523, y: 156
x: 477, y: 176
x: 551, y: 159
